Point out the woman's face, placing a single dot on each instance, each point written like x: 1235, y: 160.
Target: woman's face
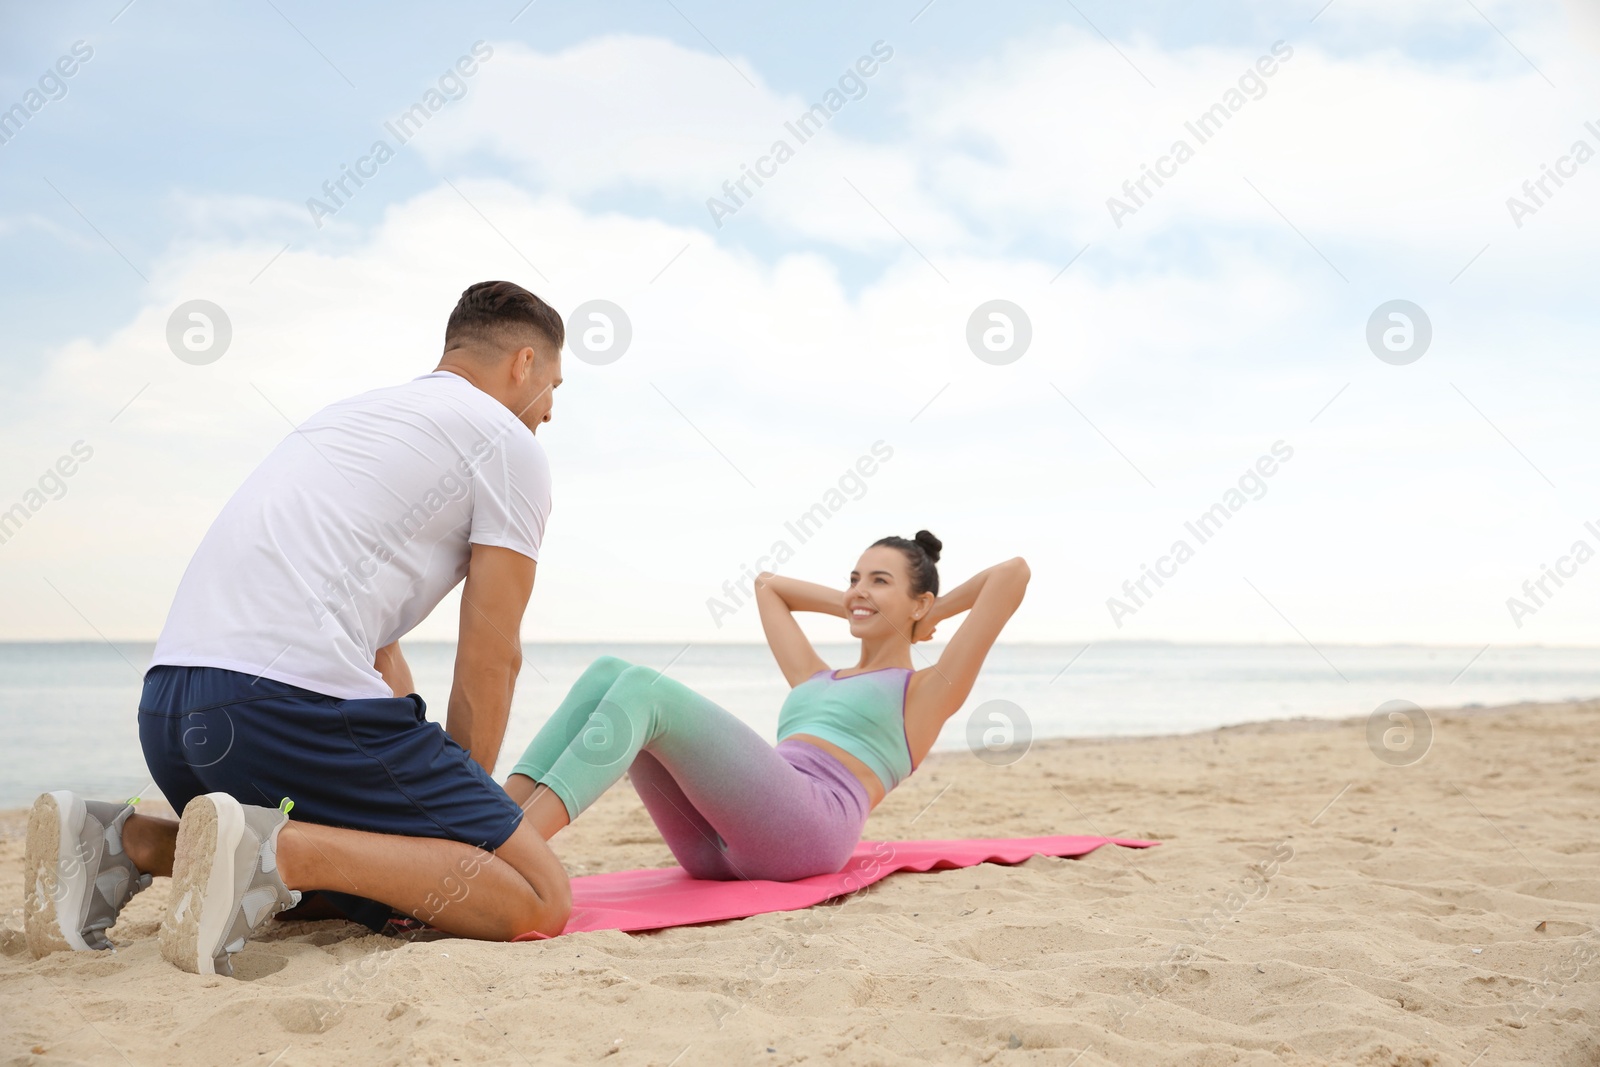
x: 878, y: 600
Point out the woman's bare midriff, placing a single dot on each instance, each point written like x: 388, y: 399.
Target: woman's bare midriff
x: 863, y: 773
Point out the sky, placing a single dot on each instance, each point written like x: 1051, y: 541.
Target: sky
x: 1350, y: 317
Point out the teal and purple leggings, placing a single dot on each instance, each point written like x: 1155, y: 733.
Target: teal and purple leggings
x: 730, y: 805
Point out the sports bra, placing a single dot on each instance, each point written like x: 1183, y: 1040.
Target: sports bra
x: 864, y: 714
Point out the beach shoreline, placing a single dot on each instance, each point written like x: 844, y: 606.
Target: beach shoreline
x: 1311, y: 902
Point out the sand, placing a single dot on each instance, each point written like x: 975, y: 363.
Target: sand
x: 1309, y: 904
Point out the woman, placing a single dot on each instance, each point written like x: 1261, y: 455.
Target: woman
x: 731, y: 806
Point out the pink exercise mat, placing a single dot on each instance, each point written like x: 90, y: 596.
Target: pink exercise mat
x: 654, y: 899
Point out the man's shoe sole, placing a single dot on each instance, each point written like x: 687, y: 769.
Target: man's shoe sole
x: 45, y: 898
x: 203, y: 886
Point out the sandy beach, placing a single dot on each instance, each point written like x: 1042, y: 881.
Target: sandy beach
x: 1309, y: 904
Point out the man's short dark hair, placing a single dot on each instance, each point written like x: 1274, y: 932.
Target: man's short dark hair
x: 497, y: 313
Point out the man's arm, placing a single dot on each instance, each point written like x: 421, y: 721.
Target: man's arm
x: 489, y: 652
x: 391, y: 663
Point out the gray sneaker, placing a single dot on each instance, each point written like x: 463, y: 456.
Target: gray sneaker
x: 225, y: 882
x: 77, y: 876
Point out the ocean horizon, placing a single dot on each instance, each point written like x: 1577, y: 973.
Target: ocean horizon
x: 69, y: 708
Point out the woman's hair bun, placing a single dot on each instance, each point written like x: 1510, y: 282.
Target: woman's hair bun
x: 930, y: 544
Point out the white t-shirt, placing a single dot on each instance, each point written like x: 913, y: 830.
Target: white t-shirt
x: 352, y: 530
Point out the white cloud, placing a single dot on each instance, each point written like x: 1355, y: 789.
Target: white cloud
x: 1028, y: 145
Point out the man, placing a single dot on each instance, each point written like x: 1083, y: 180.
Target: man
x: 278, y: 681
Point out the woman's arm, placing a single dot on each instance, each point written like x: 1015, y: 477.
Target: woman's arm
x: 778, y: 598
x: 992, y: 597
x: 395, y: 670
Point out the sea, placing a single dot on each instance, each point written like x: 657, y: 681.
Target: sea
x: 68, y: 709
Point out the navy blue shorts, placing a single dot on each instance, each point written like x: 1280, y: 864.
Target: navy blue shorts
x: 371, y: 764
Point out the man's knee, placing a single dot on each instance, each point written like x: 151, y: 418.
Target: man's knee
x: 547, y: 917
x: 543, y: 901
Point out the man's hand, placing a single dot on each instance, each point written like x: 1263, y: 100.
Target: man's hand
x: 489, y: 652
